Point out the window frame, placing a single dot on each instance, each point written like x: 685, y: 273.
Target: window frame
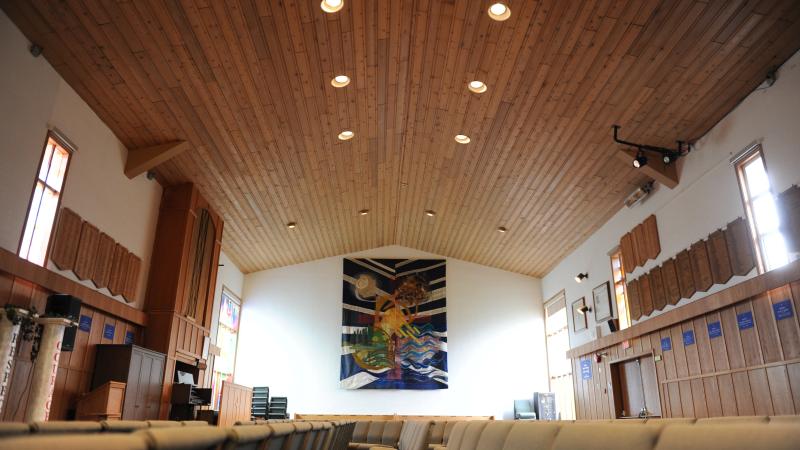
x: 560, y: 296
x: 229, y: 293
x: 617, y: 253
x: 64, y: 143
x: 739, y: 163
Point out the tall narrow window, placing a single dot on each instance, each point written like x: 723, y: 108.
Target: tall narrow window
x: 45, y: 200
x: 762, y: 212
x: 227, y: 339
x: 618, y: 275
x: 558, y: 364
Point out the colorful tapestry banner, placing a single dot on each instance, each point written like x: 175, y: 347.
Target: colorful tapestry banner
x: 394, y: 324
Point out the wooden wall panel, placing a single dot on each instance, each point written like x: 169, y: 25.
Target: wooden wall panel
x: 101, y: 274
x: 634, y: 300
x: 628, y: 252
x: 650, y: 229
x: 646, y: 295
x: 701, y: 270
x: 740, y: 247
x: 65, y: 240
x: 657, y: 289
x: 639, y: 244
x: 683, y: 264
x: 87, y: 251
x: 750, y: 367
x: 119, y: 270
x: 130, y: 289
x: 718, y: 257
x: 672, y: 290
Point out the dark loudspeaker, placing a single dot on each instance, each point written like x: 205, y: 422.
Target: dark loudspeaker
x: 63, y: 305
x: 68, y: 343
x: 612, y: 325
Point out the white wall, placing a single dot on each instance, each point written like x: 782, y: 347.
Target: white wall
x: 291, y: 340
x: 707, y: 197
x: 35, y: 98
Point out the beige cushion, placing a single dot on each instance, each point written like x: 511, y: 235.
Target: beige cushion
x: 742, y: 436
x: 360, y: 431
x: 414, y: 435
x: 123, y: 426
x: 247, y: 437
x: 280, y: 433
x: 66, y: 426
x: 163, y: 423
x: 391, y: 433
x: 732, y: 420
x: 672, y: 420
x: 75, y: 442
x: 437, y: 432
x: 471, y: 435
x: 457, y: 435
x: 784, y: 420
x: 579, y: 436
x: 494, y: 435
x: 184, y: 438
x: 194, y: 423
x: 448, y: 428
x: 14, y: 428
x: 529, y: 435
x: 375, y: 432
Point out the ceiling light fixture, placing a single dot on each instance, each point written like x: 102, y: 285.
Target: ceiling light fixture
x: 462, y: 139
x: 331, y: 6
x: 502, y: 229
x: 580, y: 277
x: 363, y: 212
x: 499, y: 12
x: 478, y: 87
x: 346, y: 135
x: 340, y: 81
x: 291, y: 225
x: 430, y: 212
x: 640, y: 160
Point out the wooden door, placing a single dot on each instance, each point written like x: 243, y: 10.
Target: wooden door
x: 635, y: 386
x: 153, y: 380
x: 130, y: 410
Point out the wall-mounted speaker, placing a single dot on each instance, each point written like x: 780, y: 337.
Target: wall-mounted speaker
x: 63, y: 305
x: 613, y: 325
x: 68, y: 343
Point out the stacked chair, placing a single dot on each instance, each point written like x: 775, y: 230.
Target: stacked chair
x: 723, y: 433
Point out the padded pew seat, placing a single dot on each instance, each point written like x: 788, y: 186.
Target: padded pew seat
x: 75, y: 442
x: 730, y: 436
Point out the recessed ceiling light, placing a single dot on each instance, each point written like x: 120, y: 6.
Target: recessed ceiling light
x: 462, y: 139
x: 331, y: 6
x: 478, y: 87
x: 363, y: 212
x: 345, y: 135
x: 499, y: 12
x: 502, y: 229
x: 291, y: 225
x: 340, y: 81
x: 430, y: 212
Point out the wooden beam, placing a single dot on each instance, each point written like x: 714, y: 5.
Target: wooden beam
x: 655, y: 167
x: 140, y: 160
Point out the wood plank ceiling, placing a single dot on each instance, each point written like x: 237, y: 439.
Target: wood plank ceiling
x: 247, y: 83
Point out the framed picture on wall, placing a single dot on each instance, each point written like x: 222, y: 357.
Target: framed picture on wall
x: 601, y: 297
x: 579, y: 315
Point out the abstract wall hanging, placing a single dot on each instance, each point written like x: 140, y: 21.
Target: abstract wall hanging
x: 394, y: 324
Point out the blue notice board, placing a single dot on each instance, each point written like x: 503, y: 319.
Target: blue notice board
x: 666, y: 344
x: 714, y: 330
x: 108, y: 331
x: 129, y: 337
x: 85, y: 323
x: 745, y: 320
x: 688, y: 338
x: 586, y: 369
x: 783, y: 309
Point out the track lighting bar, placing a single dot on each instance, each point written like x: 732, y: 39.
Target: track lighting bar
x: 668, y: 155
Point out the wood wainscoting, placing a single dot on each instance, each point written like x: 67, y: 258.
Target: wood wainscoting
x: 359, y: 417
x: 736, y: 352
x: 25, y: 284
x: 234, y: 404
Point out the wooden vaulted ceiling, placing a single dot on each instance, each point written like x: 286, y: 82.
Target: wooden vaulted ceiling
x: 247, y: 84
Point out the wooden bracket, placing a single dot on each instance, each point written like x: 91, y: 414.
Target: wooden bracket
x: 666, y: 174
x: 140, y: 160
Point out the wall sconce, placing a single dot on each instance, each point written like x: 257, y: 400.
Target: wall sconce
x: 584, y: 309
x: 598, y: 357
x: 580, y: 277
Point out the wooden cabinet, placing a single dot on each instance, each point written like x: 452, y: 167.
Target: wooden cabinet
x: 142, y: 371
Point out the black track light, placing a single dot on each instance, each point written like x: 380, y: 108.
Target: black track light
x: 640, y: 160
